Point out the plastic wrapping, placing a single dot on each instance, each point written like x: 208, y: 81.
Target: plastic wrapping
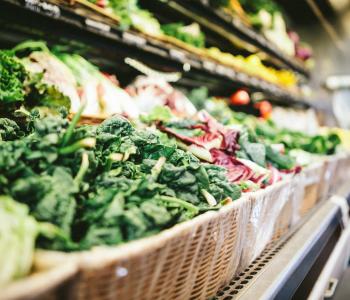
x: 312, y: 179
x: 297, y: 197
x: 341, y: 173
x: 325, y: 186
x: 266, y: 208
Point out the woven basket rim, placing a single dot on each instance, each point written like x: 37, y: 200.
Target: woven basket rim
x: 101, y: 256
x: 39, y: 282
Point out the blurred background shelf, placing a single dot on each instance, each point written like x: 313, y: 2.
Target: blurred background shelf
x: 102, y: 41
x: 226, y: 27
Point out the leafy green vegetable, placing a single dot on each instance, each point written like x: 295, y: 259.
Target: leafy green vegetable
x: 317, y: 144
x: 130, y: 14
x: 268, y: 133
x: 43, y: 94
x: 22, y: 89
x: 254, y: 6
x: 190, y: 34
x: 198, y: 97
x: 18, y: 232
x: 105, y: 184
x: 219, y: 3
x: 158, y: 113
x: 9, y: 130
x: 12, y: 76
x: 254, y: 151
x: 280, y: 161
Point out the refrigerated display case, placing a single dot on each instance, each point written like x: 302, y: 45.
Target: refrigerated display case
x: 286, y: 237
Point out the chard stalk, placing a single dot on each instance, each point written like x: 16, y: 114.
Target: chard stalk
x: 68, y: 134
x: 115, y: 172
x: 158, y: 167
x: 21, y: 112
x: 84, y: 166
x: 86, y: 143
x: 209, y: 197
x: 190, y: 207
x: 31, y: 45
x: 127, y: 154
x: 112, y: 158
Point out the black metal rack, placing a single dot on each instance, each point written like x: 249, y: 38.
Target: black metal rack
x: 107, y: 46
x: 211, y: 18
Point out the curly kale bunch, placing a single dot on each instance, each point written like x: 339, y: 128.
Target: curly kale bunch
x: 12, y: 77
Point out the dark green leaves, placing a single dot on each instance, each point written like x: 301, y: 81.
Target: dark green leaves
x: 254, y: 151
x: 190, y: 34
x: 12, y: 76
x: 127, y: 184
x: 280, y: 161
x: 9, y: 130
x: 318, y: 144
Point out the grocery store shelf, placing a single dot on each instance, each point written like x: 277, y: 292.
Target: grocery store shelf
x: 43, y: 19
x: 226, y: 28
x: 290, y: 267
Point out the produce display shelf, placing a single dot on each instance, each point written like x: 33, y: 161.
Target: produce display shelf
x: 289, y: 267
x: 257, y: 39
x: 39, y: 15
x: 232, y: 27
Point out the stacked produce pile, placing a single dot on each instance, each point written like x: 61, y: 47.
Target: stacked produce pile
x: 190, y: 37
x: 303, y: 147
x: 268, y: 17
x: 123, y: 179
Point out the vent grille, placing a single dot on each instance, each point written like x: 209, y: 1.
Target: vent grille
x: 247, y: 277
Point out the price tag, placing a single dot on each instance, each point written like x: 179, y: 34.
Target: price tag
x: 134, y: 39
x: 231, y: 73
x: 221, y: 70
x: 48, y: 9
x: 155, y: 50
x: 194, y: 63
x: 178, y: 55
x: 236, y: 22
x: 263, y: 85
x: 242, y: 77
x: 209, y: 66
x: 254, y: 81
x: 97, y: 25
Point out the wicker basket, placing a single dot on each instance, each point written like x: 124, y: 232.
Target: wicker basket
x: 313, y: 176
x: 290, y: 214
x: 52, y: 280
x: 268, y: 217
x: 341, y: 173
x: 327, y: 178
x: 193, y: 259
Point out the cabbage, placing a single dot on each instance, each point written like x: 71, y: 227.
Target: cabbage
x: 18, y: 232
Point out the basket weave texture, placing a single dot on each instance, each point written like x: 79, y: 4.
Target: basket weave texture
x: 194, y: 259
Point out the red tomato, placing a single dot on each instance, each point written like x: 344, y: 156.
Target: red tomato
x: 265, y: 108
x: 102, y: 3
x: 240, y: 97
